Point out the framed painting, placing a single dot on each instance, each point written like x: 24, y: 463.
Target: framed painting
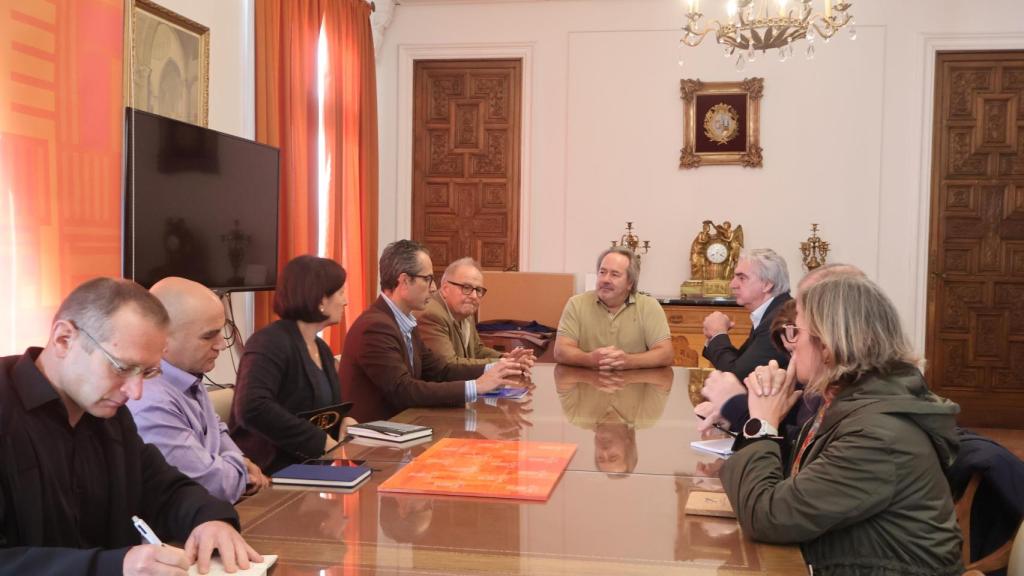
x: 722, y: 123
x: 170, y: 63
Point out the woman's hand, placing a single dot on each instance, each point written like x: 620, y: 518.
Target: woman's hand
x: 774, y: 394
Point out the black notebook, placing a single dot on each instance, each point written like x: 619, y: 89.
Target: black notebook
x: 328, y: 418
x: 389, y: 431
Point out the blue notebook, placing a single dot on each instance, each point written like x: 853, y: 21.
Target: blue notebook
x: 510, y: 392
x: 321, y: 475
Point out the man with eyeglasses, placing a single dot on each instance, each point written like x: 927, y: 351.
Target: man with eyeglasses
x: 176, y: 414
x: 448, y: 323
x: 386, y: 367
x: 73, y: 469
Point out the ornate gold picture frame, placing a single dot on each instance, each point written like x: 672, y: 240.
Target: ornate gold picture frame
x: 722, y: 123
x: 169, y: 63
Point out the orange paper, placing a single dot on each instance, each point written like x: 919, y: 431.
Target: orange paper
x: 488, y: 468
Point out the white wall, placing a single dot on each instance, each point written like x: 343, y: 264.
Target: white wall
x: 845, y: 135
x: 232, y: 106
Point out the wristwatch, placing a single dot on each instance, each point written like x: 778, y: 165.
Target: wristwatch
x: 757, y: 428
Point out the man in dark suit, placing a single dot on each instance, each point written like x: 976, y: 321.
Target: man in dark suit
x: 761, y: 285
x: 73, y: 469
x: 386, y: 368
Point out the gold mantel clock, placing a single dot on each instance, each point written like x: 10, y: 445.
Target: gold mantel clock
x: 713, y: 256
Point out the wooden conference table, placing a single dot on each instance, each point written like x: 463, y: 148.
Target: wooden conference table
x: 618, y: 509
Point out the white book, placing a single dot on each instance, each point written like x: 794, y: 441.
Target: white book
x: 720, y: 446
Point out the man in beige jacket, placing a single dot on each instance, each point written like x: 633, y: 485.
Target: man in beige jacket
x: 448, y: 324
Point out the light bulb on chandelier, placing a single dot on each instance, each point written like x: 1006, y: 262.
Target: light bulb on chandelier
x: 751, y: 25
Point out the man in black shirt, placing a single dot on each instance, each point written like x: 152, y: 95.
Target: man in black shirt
x: 73, y: 469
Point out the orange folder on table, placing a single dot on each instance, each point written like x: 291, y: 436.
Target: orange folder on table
x: 488, y: 468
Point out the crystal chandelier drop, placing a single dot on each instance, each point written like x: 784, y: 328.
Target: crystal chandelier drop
x: 762, y: 25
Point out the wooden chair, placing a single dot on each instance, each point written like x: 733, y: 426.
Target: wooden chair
x: 1016, y: 566
x: 995, y: 560
x: 221, y: 400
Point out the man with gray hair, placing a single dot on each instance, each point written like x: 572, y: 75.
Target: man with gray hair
x: 448, y: 323
x: 614, y: 327
x: 761, y: 285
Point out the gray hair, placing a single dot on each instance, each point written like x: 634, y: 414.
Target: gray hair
x: 770, y: 267
x: 858, y: 326
x: 632, y: 270
x: 450, y: 270
x: 400, y: 257
x: 92, y: 304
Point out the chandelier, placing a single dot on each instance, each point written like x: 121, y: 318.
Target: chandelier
x: 762, y: 25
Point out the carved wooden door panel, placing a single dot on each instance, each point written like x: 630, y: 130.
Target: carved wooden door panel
x: 975, y: 330
x: 466, y: 140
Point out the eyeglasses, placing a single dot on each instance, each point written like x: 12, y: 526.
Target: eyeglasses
x: 789, y: 333
x: 122, y: 370
x: 230, y: 333
x: 428, y: 278
x: 467, y: 289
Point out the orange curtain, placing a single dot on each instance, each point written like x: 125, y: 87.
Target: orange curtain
x: 61, y: 121
x: 350, y: 130
x: 287, y: 117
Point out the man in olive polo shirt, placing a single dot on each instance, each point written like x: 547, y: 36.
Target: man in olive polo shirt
x: 614, y: 327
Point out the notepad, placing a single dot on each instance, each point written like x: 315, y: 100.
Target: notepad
x: 319, y: 475
x: 709, y: 504
x: 721, y: 446
x: 217, y: 567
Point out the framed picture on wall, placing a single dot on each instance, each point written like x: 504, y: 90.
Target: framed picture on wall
x: 170, y: 62
x: 721, y: 123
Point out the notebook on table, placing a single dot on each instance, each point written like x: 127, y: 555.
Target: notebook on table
x: 217, y: 567
x: 389, y: 431
x: 321, y: 473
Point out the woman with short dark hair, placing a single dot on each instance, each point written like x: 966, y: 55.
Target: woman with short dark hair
x: 863, y: 491
x: 287, y: 369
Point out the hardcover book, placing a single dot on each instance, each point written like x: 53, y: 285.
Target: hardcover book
x: 486, y: 468
x: 390, y: 431
x: 320, y: 475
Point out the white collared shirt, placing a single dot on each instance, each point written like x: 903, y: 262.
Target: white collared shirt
x: 758, y: 313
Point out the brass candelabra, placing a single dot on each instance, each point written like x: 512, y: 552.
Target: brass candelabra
x: 631, y: 241
x: 814, y: 250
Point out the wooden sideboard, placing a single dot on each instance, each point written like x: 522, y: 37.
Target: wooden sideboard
x: 686, y: 319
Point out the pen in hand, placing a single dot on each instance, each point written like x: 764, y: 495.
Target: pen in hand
x: 147, y: 533
x: 717, y: 426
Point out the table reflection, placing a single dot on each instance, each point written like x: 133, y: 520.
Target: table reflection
x: 592, y: 524
x: 614, y: 405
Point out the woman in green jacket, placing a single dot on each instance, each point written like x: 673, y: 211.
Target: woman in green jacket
x: 863, y: 491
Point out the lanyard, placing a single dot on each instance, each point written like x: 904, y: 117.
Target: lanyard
x: 810, y: 436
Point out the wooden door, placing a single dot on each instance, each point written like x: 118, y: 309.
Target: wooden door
x: 466, y: 140
x: 975, y: 330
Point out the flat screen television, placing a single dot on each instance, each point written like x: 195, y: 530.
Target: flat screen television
x: 199, y: 204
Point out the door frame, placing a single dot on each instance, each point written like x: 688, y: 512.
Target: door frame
x: 933, y: 44
x: 408, y: 54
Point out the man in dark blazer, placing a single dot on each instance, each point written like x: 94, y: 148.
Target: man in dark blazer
x: 761, y: 285
x: 73, y: 469
x: 386, y: 368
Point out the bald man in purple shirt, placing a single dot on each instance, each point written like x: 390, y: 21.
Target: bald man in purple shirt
x: 175, y: 413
